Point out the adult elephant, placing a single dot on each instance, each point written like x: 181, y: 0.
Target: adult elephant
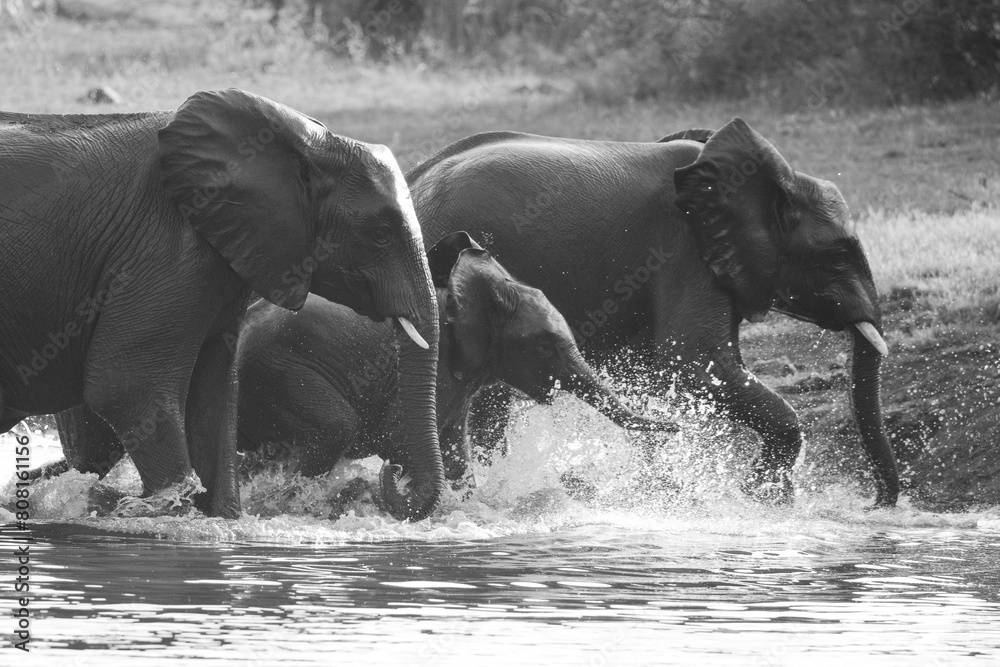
x: 324, y: 382
x: 131, y: 245
x: 665, y: 248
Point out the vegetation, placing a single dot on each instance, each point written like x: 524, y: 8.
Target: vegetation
x: 857, y: 51
x: 922, y: 180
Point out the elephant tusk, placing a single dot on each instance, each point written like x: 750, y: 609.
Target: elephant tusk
x: 411, y: 331
x: 871, y: 333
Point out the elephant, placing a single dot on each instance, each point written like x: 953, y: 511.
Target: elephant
x: 664, y: 248
x: 132, y: 245
x: 322, y: 383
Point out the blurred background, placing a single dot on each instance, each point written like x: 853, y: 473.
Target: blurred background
x: 896, y: 101
x: 872, y: 80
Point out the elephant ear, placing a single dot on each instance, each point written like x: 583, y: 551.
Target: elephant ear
x: 733, y: 196
x: 237, y: 166
x: 479, y: 300
x: 444, y: 255
x: 692, y: 134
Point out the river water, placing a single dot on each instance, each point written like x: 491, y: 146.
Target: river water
x: 565, y: 553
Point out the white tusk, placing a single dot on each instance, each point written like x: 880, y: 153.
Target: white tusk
x: 868, y: 331
x: 411, y: 331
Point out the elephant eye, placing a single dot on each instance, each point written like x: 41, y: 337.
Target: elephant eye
x: 842, y: 253
x: 382, y: 236
x: 545, y: 349
x: 840, y: 257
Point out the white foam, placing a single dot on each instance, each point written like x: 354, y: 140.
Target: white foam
x: 989, y: 523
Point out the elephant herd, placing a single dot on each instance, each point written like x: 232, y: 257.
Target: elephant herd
x: 233, y: 277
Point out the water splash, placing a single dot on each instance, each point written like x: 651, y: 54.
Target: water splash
x: 176, y: 499
x: 568, y: 467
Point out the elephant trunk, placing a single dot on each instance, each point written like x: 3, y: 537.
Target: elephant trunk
x: 415, y: 455
x: 585, y: 384
x: 866, y: 404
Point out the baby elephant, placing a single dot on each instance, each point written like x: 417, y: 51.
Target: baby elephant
x: 323, y: 383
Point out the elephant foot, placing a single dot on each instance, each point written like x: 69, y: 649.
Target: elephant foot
x: 883, y: 501
x: 175, y: 500
x: 767, y: 485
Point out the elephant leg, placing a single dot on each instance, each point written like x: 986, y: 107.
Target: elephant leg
x: 697, y: 334
x: 487, y: 421
x: 138, y: 371
x: 210, y: 417
x: 88, y: 442
x: 748, y: 402
x: 150, y: 423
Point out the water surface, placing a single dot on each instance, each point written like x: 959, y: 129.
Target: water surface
x: 522, y: 572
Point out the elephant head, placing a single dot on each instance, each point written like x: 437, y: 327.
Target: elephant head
x: 294, y: 209
x: 496, y: 327
x: 774, y: 237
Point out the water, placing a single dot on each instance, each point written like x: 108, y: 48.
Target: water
x: 522, y: 572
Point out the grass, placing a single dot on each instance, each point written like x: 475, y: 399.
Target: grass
x: 947, y: 263
x: 923, y: 182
